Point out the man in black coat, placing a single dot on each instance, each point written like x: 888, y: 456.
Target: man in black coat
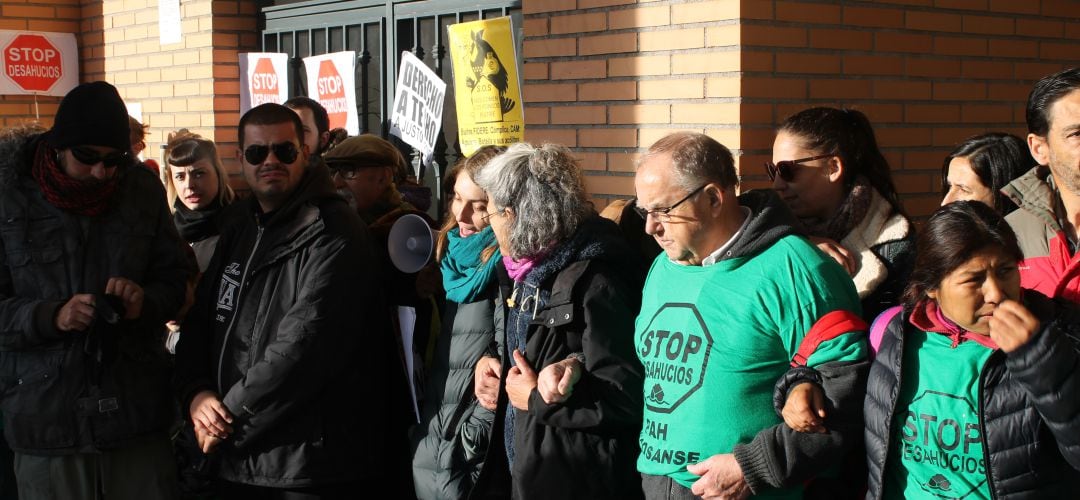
x: 91, y: 268
x: 281, y: 364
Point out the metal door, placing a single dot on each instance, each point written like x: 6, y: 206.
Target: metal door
x: 378, y: 31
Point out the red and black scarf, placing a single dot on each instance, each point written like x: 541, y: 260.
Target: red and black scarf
x: 83, y: 197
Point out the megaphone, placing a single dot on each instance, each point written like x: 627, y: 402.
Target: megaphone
x: 410, y: 243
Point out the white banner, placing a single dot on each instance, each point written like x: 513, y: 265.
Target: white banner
x: 418, y: 106
x: 169, y: 27
x: 38, y: 62
x: 265, y: 78
x: 331, y: 80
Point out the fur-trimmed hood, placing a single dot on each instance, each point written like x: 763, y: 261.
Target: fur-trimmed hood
x: 14, y: 151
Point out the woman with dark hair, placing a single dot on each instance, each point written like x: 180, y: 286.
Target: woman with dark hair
x: 450, y: 443
x: 573, y: 289
x: 979, y: 167
x: 975, y: 390
x: 828, y: 169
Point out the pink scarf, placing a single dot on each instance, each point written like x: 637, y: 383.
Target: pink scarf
x: 518, y: 269
x: 927, y: 316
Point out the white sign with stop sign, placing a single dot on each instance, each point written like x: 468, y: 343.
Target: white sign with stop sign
x: 36, y: 62
x: 264, y: 78
x: 331, y: 80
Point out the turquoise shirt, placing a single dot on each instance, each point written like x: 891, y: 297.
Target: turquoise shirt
x: 936, y: 448
x: 714, y: 340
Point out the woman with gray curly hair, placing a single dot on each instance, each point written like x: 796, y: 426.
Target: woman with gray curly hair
x: 566, y: 383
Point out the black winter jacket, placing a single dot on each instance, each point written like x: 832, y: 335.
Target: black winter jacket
x: 586, y: 447
x: 83, y: 391
x: 1029, y: 408
x: 284, y: 329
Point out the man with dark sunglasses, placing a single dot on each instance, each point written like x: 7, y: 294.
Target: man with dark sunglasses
x: 92, y: 269
x: 724, y: 313
x: 282, y: 364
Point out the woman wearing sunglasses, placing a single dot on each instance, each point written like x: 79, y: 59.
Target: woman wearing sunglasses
x: 828, y: 169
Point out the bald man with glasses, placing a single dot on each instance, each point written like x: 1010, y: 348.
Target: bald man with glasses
x: 736, y: 299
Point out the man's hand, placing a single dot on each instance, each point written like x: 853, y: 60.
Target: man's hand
x: 520, y: 382
x: 1012, y: 325
x: 207, y: 442
x: 841, y: 255
x: 208, y: 413
x: 486, y: 376
x: 804, y: 410
x: 556, y: 381
x: 721, y: 477
x: 129, y: 292
x: 77, y: 314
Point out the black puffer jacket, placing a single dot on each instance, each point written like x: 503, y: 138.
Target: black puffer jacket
x: 283, y: 329
x: 1029, y: 408
x: 83, y: 391
x: 589, y: 293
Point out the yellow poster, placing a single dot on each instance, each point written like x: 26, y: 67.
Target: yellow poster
x: 486, y: 84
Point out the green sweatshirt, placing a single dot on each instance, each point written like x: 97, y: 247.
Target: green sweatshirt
x: 714, y: 340
x: 937, y: 447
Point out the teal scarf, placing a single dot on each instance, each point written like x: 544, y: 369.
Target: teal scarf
x: 464, y: 276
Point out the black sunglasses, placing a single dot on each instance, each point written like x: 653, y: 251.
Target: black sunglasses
x: 286, y: 152
x: 663, y: 214
x: 786, y: 169
x: 90, y: 156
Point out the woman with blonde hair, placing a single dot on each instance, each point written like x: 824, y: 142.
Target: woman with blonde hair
x: 197, y: 188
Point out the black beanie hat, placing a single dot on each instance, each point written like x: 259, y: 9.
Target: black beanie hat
x: 91, y: 114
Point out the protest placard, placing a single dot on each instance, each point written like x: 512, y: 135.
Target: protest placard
x: 487, y: 87
x: 419, y: 97
x: 264, y: 79
x: 331, y: 80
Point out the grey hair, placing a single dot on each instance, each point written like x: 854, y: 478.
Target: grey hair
x: 543, y: 187
x: 697, y: 159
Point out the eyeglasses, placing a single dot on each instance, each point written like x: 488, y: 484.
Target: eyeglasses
x: 786, y: 169
x: 346, y: 172
x: 487, y: 218
x: 90, y: 156
x: 663, y: 214
x: 286, y: 152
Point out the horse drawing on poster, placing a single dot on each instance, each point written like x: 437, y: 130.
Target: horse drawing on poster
x: 489, y: 81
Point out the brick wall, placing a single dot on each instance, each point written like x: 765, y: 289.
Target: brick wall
x: 193, y: 84
x: 61, y: 16
x: 928, y: 73
x: 609, y: 77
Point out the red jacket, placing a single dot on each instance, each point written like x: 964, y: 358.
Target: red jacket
x: 1048, y: 265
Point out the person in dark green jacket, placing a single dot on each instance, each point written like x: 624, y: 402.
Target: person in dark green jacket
x: 450, y: 443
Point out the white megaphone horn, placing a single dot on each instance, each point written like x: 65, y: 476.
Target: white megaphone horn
x: 410, y: 243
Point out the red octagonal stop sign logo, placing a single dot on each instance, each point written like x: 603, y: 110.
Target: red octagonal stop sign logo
x: 33, y: 63
x: 331, y: 91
